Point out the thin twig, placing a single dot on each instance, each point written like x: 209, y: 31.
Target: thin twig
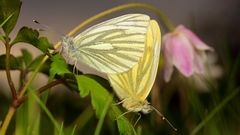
x: 49, y: 85
x: 43, y: 89
x: 23, y: 74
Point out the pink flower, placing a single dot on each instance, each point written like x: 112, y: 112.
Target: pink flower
x: 213, y: 71
x: 184, y: 50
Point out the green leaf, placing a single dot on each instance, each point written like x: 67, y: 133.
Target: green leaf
x: 31, y: 36
x: 99, y: 98
x: 14, y: 62
x: 8, y: 8
x: 84, y: 91
x: 26, y: 35
x: 100, y: 80
x: 26, y: 56
x: 5, y: 21
x: 43, y: 44
x: 99, y: 94
x: 124, y: 126
x: 58, y: 66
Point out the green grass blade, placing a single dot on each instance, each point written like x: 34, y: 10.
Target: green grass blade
x: 33, y: 116
x: 73, y: 130
x: 22, y: 119
x: 215, y: 111
x: 103, y: 114
x: 44, y: 108
x: 61, y: 129
x: 82, y: 120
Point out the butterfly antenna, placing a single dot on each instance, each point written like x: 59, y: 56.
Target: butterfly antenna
x: 164, y: 118
x: 139, y: 117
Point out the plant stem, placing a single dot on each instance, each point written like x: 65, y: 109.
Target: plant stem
x: 9, y: 78
x: 42, y: 89
x: 33, y: 75
x: 11, y: 109
x: 7, y: 120
x: 49, y: 85
x: 23, y: 74
x: 215, y: 111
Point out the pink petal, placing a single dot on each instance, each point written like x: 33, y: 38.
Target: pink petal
x: 168, y: 65
x: 199, y: 61
x: 195, y: 40
x: 182, y: 53
x: 168, y: 70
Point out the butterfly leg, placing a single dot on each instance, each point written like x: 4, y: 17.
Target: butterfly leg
x: 118, y: 103
x: 139, y: 117
x: 122, y: 114
x: 74, y: 67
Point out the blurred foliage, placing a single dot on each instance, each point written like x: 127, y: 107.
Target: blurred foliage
x: 86, y: 104
x: 8, y: 8
x: 14, y: 62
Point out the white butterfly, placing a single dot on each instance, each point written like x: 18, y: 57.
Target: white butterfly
x: 113, y: 46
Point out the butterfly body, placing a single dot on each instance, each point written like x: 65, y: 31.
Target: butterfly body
x: 136, y: 105
x: 113, y: 46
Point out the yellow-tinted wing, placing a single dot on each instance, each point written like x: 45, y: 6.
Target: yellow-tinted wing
x: 137, y: 82
x: 113, y: 46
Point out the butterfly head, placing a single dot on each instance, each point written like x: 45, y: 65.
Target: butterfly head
x: 68, y: 49
x: 135, y: 105
x: 67, y: 44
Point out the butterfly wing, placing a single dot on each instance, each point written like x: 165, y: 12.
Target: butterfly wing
x: 115, y: 45
x: 138, y: 81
